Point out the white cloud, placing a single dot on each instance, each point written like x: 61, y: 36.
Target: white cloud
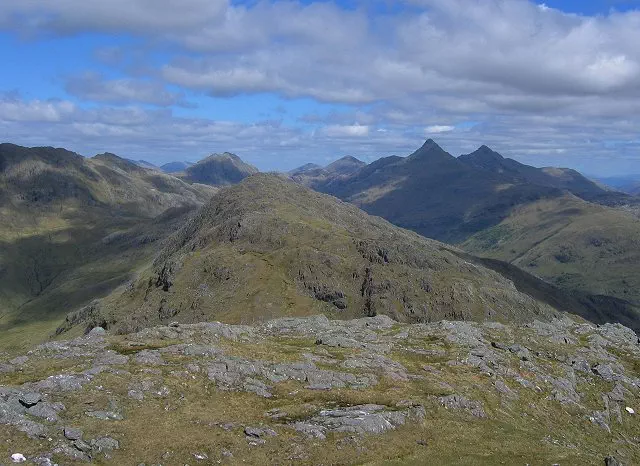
x: 92, y: 87
x: 51, y: 111
x: 135, y: 16
x: 356, y: 131
x: 530, y: 76
x: 436, y: 129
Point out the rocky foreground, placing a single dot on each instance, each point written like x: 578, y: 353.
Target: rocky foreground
x: 315, y: 391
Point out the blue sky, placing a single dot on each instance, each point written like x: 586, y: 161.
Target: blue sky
x: 289, y: 82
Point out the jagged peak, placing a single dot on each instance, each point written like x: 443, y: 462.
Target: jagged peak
x: 430, y: 149
x: 483, y: 153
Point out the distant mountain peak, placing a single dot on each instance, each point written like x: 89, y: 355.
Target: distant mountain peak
x: 484, y: 153
x: 430, y: 144
x: 220, y: 170
x: 350, y: 158
x: 221, y: 156
x: 345, y: 166
x: 116, y: 160
x: 431, y: 149
x: 307, y: 167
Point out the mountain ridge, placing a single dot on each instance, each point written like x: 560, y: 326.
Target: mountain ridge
x: 269, y: 247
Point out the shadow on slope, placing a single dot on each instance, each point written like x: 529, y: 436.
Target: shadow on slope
x: 598, y: 309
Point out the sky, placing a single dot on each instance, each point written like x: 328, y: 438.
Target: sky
x: 283, y: 83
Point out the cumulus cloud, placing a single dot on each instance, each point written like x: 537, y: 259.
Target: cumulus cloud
x: 13, y: 109
x: 93, y: 87
x: 348, y: 131
x: 436, y: 129
x: 134, y: 16
x: 521, y: 76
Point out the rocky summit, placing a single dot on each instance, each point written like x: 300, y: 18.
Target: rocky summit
x: 269, y: 247
x: 316, y: 391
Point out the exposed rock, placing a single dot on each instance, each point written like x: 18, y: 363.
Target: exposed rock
x: 63, y: 383
x: 149, y: 358
x: 521, y: 352
x: 110, y: 358
x: 45, y: 410
x: 71, y: 452
x: 104, y: 444
x: 18, y: 458
x: 600, y: 418
x: 259, y: 432
x: 611, y: 461
x: 311, y: 430
x: 361, y: 419
x: 30, y: 399
x: 19, y: 361
x: 72, y: 433
x: 459, y: 402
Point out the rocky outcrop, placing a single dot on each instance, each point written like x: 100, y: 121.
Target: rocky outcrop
x: 298, y: 388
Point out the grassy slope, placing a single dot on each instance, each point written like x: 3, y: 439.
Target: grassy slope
x: 263, y: 249
x: 72, y: 229
x: 532, y: 429
x: 571, y: 243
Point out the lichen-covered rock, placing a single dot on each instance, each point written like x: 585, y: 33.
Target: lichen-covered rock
x: 459, y: 402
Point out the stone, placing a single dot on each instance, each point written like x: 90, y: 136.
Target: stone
x: 149, y: 358
x: 135, y: 395
x: 71, y: 452
x: 104, y: 444
x: 257, y: 387
x: 259, y: 432
x: 193, y: 368
x: 19, y: 361
x: 82, y: 446
x: 7, y: 368
x: 600, y: 419
x: 63, y: 383
x: 618, y: 393
x: 30, y: 399
x: 310, y: 430
x: 110, y: 358
x: 43, y: 461
x: 607, y: 372
x: 459, y: 402
x: 97, y: 331
x: 611, y: 461
x: 72, y: 433
x: 360, y: 419
x: 48, y: 411
x: 630, y: 410
x: 580, y: 364
x: 18, y: 458
x: 500, y: 346
x: 521, y: 352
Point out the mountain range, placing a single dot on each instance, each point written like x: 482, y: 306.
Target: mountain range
x: 629, y: 184
x: 73, y: 228
x: 249, y: 318
x: 268, y: 247
x: 553, y: 224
